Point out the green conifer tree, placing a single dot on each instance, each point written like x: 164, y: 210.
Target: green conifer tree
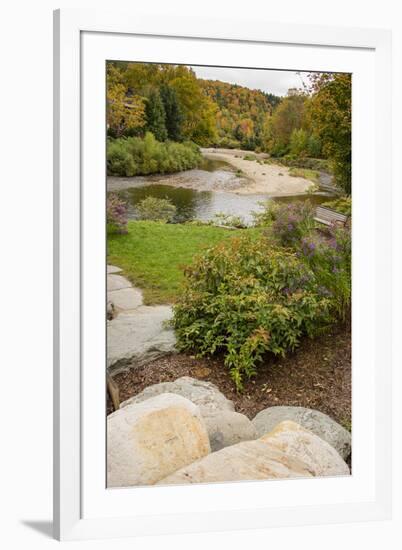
x: 156, y: 116
x: 173, y: 112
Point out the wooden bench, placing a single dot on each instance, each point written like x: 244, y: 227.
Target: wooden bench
x: 329, y: 217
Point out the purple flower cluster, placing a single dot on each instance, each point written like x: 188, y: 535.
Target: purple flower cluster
x: 290, y: 222
x: 294, y: 284
x: 308, y: 247
x: 116, y: 213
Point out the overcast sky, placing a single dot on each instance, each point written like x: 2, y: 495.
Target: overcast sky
x: 275, y: 82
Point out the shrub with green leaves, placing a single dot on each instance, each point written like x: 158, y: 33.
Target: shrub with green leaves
x: 305, y: 162
x: 229, y: 220
x: 154, y: 209
x: 134, y: 156
x: 298, y: 142
x: 227, y: 142
x: 244, y: 298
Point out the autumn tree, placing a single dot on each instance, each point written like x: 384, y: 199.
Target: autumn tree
x: 287, y: 117
x: 273, y: 99
x: 241, y: 113
x: 189, y: 114
x: 142, y: 78
x: 331, y: 118
x: 245, y: 133
x: 199, y: 111
x: 298, y: 144
x: 124, y: 111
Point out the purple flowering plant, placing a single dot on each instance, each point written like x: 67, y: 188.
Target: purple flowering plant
x: 328, y: 254
x: 330, y: 259
x: 287, y: 224
x: 116, y: 214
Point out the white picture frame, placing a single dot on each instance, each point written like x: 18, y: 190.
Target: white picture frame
x: 83, y: 507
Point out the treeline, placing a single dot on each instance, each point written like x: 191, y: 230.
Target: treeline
x: 315, y: 123
x: 166, y: 100
x: 243, y: 115
x: 172, y: 104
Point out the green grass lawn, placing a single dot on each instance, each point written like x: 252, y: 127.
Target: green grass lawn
x: 152, y: 254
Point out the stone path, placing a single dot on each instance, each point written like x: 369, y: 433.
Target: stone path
x: 136, y: 334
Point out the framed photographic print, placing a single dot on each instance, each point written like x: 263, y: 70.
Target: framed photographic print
x: 222, y: 275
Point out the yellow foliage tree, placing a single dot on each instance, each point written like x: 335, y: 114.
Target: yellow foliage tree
x: 199, y: 111
x: 124, y: 111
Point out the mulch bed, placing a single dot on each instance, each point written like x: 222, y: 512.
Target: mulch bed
x: 317, y: 375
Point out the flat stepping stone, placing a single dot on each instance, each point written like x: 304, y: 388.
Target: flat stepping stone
x: 117, y: 282
x: 125, y: 299
x: 138, y: 337
x: 113, y: 269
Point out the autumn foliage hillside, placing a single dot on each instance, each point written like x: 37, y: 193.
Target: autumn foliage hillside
x: 243, y: 114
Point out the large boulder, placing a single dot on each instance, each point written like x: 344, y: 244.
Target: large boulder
x: 226, y: 428
x: 148, y: 441
x: 138, y: 337
x: 204, y: 394
x: 250, y: 460
x: 314, y: 421
x: 294, y: 440
x: 289, y: 451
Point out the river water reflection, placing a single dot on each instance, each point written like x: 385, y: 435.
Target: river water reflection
x: 214, y: 192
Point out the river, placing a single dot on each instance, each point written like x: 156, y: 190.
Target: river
x: 201, y: 193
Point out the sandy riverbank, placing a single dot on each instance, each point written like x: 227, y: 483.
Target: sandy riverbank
x: 236, y: 175
x: 259, y: 178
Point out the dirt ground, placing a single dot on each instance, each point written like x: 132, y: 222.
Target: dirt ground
x: 317, y: 375
x: 261, y: 178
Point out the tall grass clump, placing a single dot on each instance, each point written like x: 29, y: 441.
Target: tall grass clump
x: 154, y: 209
